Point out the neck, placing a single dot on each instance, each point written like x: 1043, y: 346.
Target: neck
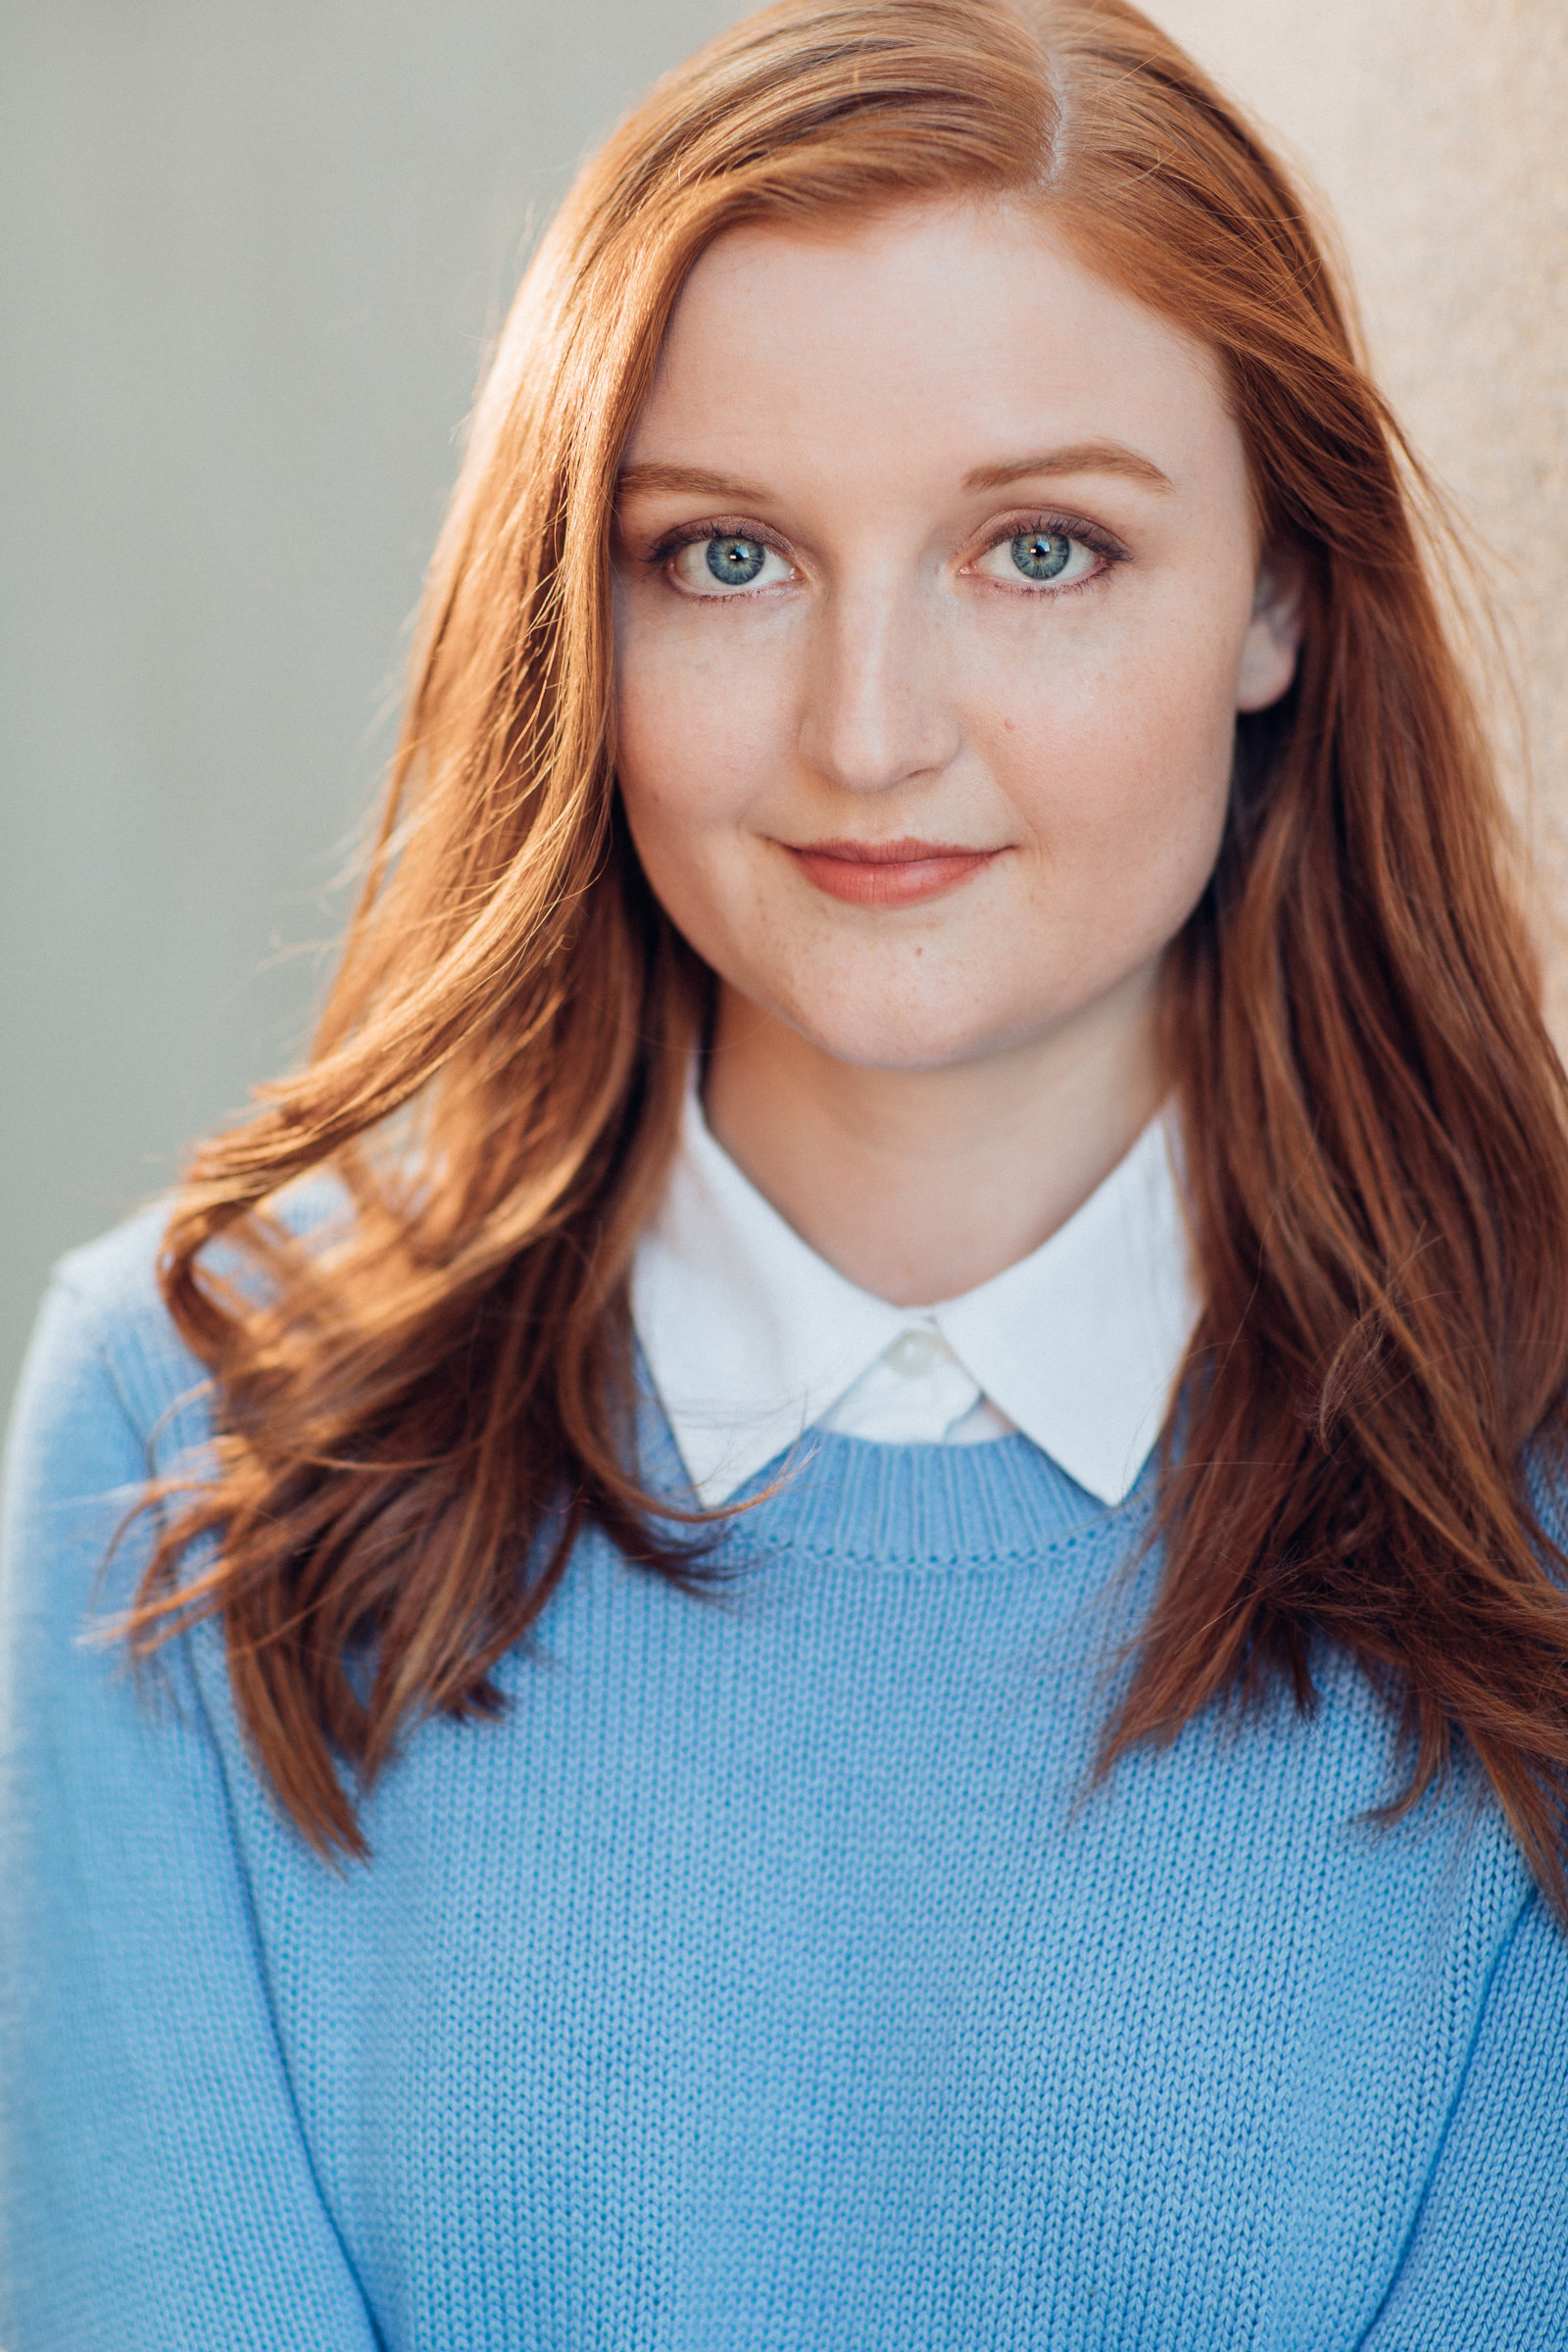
x: 917, y: 1184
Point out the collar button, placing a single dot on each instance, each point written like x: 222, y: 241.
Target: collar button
x: 913, y: 1352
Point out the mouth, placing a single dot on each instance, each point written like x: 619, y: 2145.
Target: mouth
x: 887, y: 874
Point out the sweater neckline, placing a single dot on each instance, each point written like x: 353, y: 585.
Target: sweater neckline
x: 851, y: 1500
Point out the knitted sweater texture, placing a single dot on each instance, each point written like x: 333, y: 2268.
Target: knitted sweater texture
x: 771, y: 1976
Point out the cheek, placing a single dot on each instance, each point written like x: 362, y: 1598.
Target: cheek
x: 695, y: 722
x: 687, y: 769
x: 1122, y: 768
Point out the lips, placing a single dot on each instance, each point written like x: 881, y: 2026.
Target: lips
x: 887, y: 874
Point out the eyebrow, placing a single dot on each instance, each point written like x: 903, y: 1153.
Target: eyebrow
x: 1080, y: 457
x: 1077, y: 457
x: 688, y: 480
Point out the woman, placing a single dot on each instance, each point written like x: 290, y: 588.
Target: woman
x: 849, y: 1620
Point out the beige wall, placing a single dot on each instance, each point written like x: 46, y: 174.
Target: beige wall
x: 1439, y: 132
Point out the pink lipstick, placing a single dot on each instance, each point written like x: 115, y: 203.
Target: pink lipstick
x: 887, y: 874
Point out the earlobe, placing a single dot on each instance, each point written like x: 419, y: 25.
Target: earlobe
x: 1273, y: 637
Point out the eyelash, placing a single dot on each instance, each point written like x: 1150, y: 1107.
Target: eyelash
x: 719, y: 526
x: 1067, y: 526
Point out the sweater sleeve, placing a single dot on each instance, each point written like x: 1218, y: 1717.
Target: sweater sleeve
x: 156, y: 2191
x: 1487, y: 2266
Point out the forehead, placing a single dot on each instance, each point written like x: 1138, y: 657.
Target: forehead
x: 945, y: 334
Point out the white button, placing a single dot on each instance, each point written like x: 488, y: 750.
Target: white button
x: 913, y: 1352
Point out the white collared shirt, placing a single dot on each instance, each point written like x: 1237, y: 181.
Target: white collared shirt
x: 751, y: 1339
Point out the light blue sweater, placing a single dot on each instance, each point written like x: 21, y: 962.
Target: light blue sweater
x: 768, y: 1979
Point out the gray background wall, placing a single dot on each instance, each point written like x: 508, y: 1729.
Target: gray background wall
x: 249, y: 261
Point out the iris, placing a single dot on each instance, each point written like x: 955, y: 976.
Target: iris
x: 736, y: 561
x: 1039, y: 555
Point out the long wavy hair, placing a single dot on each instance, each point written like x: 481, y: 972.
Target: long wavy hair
x: 421, y: 1404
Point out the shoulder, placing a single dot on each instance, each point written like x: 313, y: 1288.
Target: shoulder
x: 106, y: 1373
x: 108, y: 1399
x: 104, y: 1344
x: 109, y: 1394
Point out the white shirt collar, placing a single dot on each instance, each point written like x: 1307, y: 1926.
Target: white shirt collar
x: 751, y: 1339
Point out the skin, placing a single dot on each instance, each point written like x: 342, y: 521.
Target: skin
x: 932, y: 823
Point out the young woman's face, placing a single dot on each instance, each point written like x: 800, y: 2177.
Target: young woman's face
x: 936, y: 592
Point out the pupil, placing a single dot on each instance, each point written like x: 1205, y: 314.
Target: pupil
x: 735, y: 561
x: 1041, y: 554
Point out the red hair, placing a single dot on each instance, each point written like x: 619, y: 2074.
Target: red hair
x: 417, y: 1413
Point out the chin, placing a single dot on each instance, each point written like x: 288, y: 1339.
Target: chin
x: 903, y: 1038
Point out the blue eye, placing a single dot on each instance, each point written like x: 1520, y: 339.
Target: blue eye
x: 735, y: 562
x: 727, y: 564
x: 1038, y: 555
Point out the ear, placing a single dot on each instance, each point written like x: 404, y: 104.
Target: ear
x: 1273, y: 634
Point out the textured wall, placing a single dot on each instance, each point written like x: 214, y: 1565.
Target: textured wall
x: 248, y: 261
x: 1435, y: 130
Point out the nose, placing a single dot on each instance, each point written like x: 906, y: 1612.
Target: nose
x: 876, y: 712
